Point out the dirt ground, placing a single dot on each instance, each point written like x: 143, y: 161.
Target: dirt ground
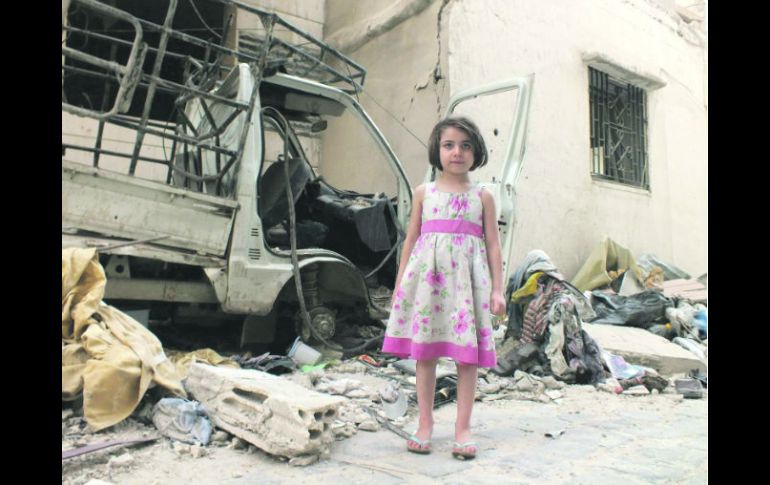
x: 595, y: 437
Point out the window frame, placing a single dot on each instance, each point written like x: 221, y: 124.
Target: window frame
x: 615, y: 134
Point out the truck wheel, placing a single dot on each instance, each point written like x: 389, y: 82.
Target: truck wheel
x: 323, y: 320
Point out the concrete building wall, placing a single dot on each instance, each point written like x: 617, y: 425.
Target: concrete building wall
x: 404, y: 89
x: 562, y: 208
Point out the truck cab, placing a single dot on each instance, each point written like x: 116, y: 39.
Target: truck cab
x: 207, y: 237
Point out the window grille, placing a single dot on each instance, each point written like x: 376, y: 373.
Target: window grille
x: 618, y: 130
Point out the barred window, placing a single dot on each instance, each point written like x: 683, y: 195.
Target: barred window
x: 618, y: 130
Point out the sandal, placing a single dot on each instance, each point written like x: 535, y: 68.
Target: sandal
x: 422, y: 448
x: 459, y: 450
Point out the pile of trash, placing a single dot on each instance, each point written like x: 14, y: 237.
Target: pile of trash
x: 647, y: 293
x: 294, y: 406
x: 545, y: 335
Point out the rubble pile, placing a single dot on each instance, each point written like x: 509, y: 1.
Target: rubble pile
x: 294, y: 412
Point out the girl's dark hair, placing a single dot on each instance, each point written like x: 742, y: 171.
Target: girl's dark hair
x: 480, y: 154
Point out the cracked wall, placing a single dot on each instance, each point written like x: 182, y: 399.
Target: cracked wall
x: 405, y: 85
x: 561, y: 209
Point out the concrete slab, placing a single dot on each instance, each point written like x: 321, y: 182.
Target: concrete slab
x: 274, y: 414
x: 691, y: 289
x: 638, y: 346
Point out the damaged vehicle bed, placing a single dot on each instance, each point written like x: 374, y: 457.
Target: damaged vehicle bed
x: 197, y: 169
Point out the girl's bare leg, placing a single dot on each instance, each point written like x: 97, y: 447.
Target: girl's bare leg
x: 466, y: 393
x: 426, y: 389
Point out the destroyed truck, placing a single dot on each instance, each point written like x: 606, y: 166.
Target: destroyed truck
x: 190, y: 161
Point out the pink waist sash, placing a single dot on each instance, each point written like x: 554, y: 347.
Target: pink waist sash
x: 452, y: 226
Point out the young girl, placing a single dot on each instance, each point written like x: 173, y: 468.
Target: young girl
x: 444, y: 294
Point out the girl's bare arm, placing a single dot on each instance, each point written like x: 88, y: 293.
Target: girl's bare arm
x: 412, y: 232
x: 494, y: 256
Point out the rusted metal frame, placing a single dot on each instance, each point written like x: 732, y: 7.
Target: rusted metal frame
x: 120, y: 41
x: 165, y: 125
x: 137, y: 53
x: 186, y: 120
x: 222, y: 127
x: 189, y: 123
x: 96, y: 61
x: 190, y: 92
x: 313, y: 59
x: 199, y: 168
x: 102, y: 75
x: 153, y: 82
x: 633, y: 96
x: 199, y: 42
x: 592, y: 122
x: 171, y: 162
x: 215, y: 131
x: 167, y: 86
x: 283, y: 23
x: 112, y: 153
x: 609, y: 160
x: 105, y: 96
x: 213, y: 124
x: 645, y: 175
x: 203, y: 178
x: 177, y: 136
x: 216, y: 66
x: 186, y: 171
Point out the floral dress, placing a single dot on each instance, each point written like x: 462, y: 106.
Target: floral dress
x: 441, y: 308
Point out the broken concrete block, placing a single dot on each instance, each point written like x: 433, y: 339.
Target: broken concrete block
x: 641, y: 347
x: 303, y: 380
x: 343, y: 429
x: 525, y: 385
x: 354, y: 367
x: 388, y: 393
x: 276, y: 415
x: 610, y: 385
x: 358, y: 394
x: 121, y: 461
x: 369, y: 424
x: 551, y: 383
x: 197, y: 451
x: 489, y: 388
x: 238, y: 444
x: 303, y: 460
x: 636, y: 391
x: 340, y: 387
x: 180, y: 448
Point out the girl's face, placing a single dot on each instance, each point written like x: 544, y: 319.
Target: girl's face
x: 455, y: 151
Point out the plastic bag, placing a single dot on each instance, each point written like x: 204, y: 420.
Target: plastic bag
x: 620, y: 369
x: 701, y: 320
x: 641, y: 310
x: 670, y: 272
x: 182, y: 420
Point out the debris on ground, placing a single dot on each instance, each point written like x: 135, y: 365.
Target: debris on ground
x: 689, y: 388
x: 604, y: 265
x: 643, y: 348
x: 182, y: 420
x: 545, y: 321
x: 267, y: 403
x: 273, y: 414
x: 118, y: 354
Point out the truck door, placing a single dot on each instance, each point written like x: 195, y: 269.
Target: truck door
x: 501, y: 110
